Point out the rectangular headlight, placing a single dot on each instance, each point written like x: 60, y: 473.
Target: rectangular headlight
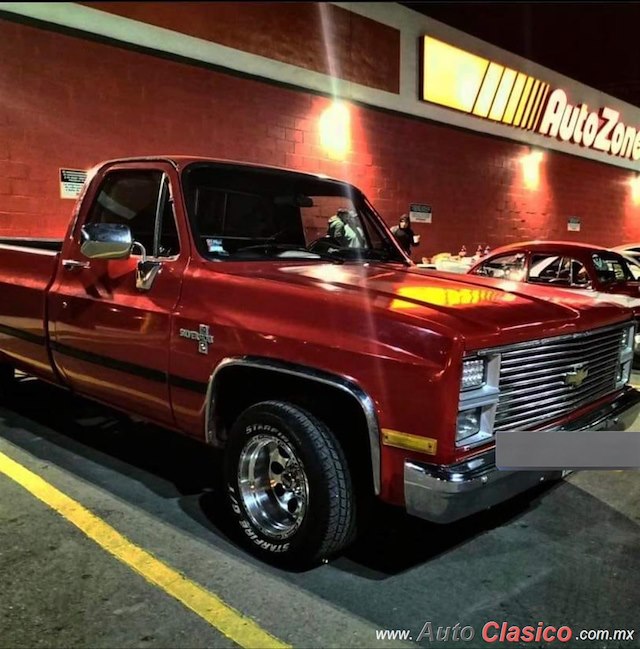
x: 625, y: 341
x: 625, y: 359
x: 468, y: 423
x: 629, y: 338
x: 473, y: 373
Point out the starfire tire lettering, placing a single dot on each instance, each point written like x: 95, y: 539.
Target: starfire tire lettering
x: 248, y: 530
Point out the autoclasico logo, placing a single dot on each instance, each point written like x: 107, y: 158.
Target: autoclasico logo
x: 603, y: 130
x: 496, y: 632
x: 505, y: 632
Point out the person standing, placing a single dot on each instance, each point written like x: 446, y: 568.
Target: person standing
x: 404, y: 235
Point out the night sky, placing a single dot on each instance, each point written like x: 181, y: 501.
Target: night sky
x: 595, y: 43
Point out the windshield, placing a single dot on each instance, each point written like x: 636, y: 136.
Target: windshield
x: 243, y: 213
x: 611, y: 267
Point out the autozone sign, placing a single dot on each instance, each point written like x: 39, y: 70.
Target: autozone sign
x: 458, y: 79
x: 603, y: 130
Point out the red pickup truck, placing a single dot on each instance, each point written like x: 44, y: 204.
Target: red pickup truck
x: 209, y: 297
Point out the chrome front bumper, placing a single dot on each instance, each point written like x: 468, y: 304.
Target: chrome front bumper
x: 444, y: 494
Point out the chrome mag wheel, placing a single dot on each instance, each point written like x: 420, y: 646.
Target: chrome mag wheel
x: 273, y: 486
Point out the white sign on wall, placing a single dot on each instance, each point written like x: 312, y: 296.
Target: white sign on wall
x: 71, y: 182
x: 420, y: 213
x: 573, y: 224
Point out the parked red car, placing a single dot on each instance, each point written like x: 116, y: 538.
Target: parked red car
x: 605, y: 273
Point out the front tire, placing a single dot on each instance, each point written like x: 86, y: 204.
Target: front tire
x: 288, y: 485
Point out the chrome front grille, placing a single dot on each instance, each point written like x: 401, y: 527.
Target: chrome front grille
x: 543, y: 381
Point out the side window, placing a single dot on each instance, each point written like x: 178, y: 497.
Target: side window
x: 545, y: 268
x: 611, y: 267
x: 139, y: 199
x: 558, y: 270
x: 579, y: 274
x: 511, y: 266
x: 635, y: 270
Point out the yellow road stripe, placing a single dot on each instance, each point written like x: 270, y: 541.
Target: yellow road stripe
x: 208, y: 606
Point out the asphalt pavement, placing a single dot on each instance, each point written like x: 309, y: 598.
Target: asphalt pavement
x: 567, y: 554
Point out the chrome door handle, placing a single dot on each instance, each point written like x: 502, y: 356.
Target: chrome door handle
x: 72, y: 264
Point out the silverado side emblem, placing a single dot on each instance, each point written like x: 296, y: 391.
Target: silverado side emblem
x: 203, y: 337
x: 577, y: 375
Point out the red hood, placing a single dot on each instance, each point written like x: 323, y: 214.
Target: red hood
x: 484, y: 311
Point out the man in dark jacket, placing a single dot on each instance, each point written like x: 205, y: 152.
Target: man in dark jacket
x: 405, y: 236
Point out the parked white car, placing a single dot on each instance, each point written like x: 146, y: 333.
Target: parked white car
x: 631, y: 252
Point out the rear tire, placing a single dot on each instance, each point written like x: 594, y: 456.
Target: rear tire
x: 288, y: 485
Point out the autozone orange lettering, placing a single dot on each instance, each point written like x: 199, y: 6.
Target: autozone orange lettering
x: 603, y: 130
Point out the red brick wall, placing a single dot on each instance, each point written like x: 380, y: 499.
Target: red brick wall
x: 360, y: 49
x: 67, y: 102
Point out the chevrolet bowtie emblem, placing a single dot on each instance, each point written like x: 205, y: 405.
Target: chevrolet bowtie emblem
x: 577, y: 375
x: 203, y: 337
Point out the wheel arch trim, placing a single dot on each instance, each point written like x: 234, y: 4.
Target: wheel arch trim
x: 347, y: 385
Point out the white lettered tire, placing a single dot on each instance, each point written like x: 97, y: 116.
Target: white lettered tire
x: 288, y: 485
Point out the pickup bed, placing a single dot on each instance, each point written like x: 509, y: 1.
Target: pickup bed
x: 208, y: 297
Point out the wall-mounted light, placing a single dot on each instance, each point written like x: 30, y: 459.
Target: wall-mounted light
x: 635, y: 189
x: 335, y: 130
x: 531, y: 168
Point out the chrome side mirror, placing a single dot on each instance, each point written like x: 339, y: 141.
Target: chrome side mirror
x: 147, y: 269
x: 106, y: 241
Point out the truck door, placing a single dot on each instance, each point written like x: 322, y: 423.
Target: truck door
x: 109, y: 332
